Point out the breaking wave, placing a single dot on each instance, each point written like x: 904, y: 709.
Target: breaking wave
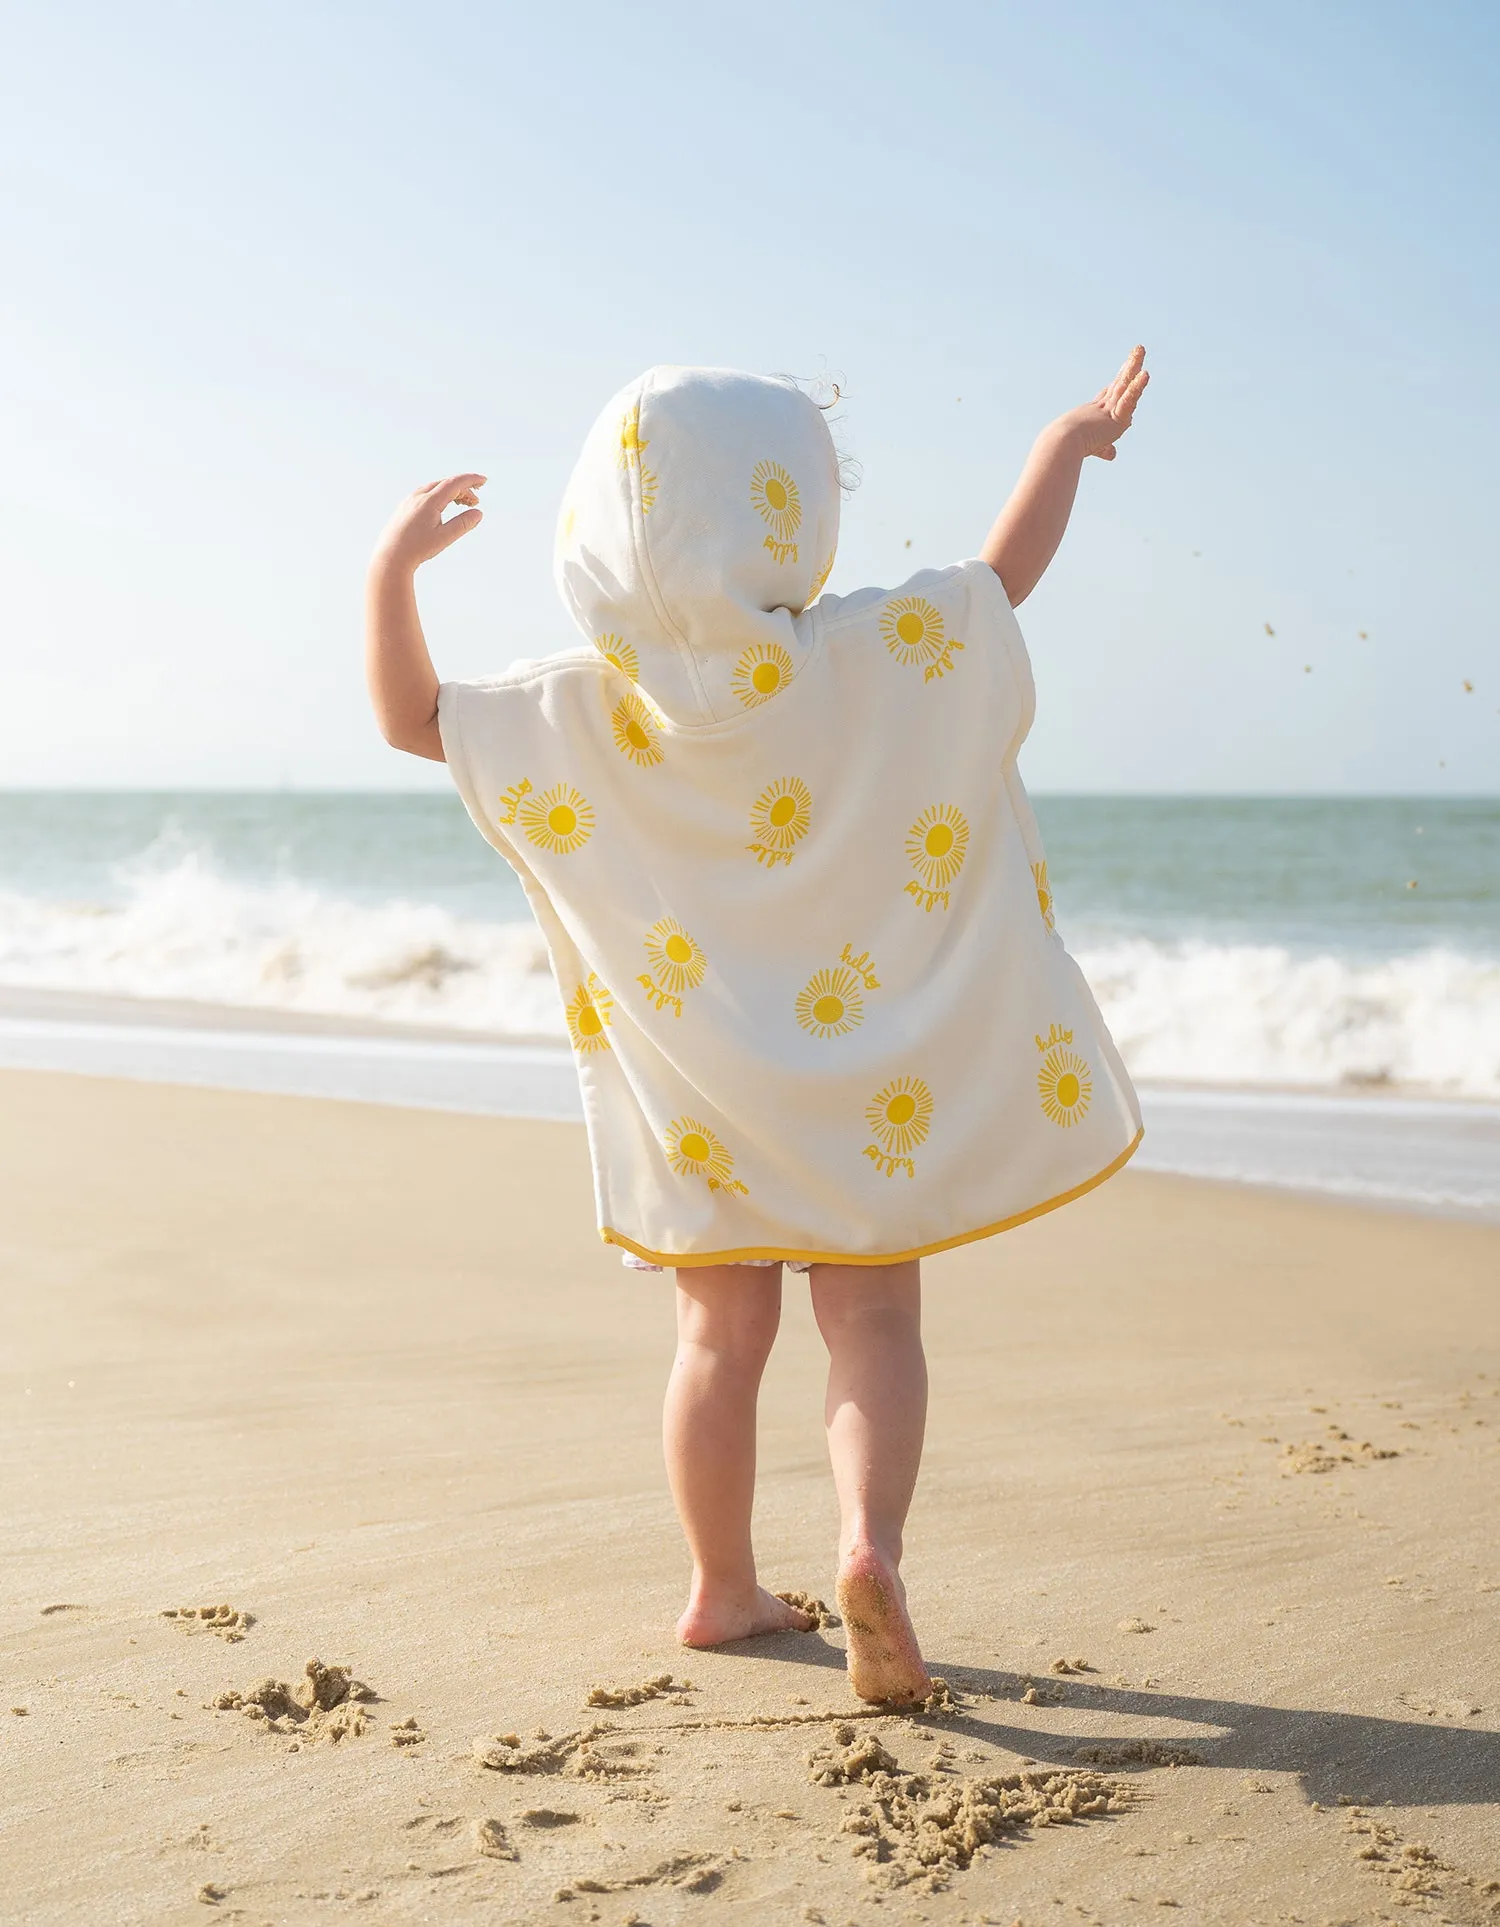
x: 1194, y: 1010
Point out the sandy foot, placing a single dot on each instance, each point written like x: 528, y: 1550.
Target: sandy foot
x: 711, y: 1620
x: 885, y: 1662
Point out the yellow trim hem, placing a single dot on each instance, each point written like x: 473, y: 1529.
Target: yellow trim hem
x: 686, y: 1260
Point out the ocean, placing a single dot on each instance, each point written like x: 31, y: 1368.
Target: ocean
x: 1322, y: 945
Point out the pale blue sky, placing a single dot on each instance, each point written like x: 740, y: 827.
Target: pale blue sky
x: 269, y: 266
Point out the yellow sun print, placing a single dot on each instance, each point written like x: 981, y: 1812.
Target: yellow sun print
x: 559, y: 819
x: 590, y: 1011
x: 635, y: 732
x: 899, y: 1118
x: 779, y: 506
x: 762, y: 672
x: 631, y: 447
x: 914, y: 633
x: 620, y: 654
x: 693, y: 1151
x: 1063, y: 1082
x: 936, y: 845
x: 820, y: 579
x: 830, y: 1003
x: 1043, y: 893
x: 779, y: 819
x: 677, y: 964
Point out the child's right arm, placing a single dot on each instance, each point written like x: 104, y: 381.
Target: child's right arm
x: 402, y: 681
x: 1030, y: 526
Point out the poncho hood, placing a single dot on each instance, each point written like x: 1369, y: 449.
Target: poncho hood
x: 702, y: 517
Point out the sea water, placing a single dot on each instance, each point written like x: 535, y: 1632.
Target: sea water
x: 1325, y: 944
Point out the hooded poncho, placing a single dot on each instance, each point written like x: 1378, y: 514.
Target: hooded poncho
x: 795, y: 896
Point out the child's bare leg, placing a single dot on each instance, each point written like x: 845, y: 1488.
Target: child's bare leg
x: 871, y: 1320
x: 726, y: 1319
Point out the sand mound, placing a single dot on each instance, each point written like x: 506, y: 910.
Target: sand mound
x: 227, y: 1621
x: 491, y: 1839
x: 917, y: 1830
x: 326, y: 1704
x: 659, y: 1687
x: 805, y: 1602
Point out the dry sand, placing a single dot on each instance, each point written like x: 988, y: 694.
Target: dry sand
x: 1204, y: 1549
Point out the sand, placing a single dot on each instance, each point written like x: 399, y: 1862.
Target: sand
x: 340, y: 1569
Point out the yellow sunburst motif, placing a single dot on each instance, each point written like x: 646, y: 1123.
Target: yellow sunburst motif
x: 566, y: 523
x: 820, y: 578
x: 779, y: 505
x: 677, y: 964
x: 936, y: 845
x: 621, y: 654
x: 590, y: 1011
x: 631, y: 447
x: 762, y: 672
x: 829, y: 1004
x: 635, y: 731
x: 1043, y: 893
x: 900, y: 1117
x: 913, y: 631
x: 779, y: 819
x: 558, y: 819
x: 693, y: 1151
x: 1064, y: 1081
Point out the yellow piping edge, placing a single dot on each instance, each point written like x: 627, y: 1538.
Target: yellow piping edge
x: 685, y: 1261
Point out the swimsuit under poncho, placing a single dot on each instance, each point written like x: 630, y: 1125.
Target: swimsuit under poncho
x: 793, y: 890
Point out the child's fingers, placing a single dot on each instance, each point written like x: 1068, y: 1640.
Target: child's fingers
x: 1125, y: 407
x: 452, y: 487
x: 1128, y: 370
x: 448, y: 532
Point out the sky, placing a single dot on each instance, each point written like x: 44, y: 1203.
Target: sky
x: 269, y: 267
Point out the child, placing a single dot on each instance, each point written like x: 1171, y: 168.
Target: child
x: 797, y: 906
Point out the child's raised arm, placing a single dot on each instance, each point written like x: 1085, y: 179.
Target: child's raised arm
x: 402, y: 681
x: 1030, y: 526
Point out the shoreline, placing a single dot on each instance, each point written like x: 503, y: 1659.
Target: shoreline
x: 48, y: 1004
x: 1391, y: 1150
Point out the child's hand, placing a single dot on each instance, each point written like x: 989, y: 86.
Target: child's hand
x: 417, y: 531
x: 1098, y: 425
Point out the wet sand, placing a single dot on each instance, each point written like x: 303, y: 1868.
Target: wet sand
x: 1203, y: 1550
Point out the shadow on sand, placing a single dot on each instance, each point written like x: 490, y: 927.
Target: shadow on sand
x: 1351, y: 1756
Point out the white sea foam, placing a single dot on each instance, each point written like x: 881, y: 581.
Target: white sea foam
x: 1256, y: 1013
x: 1203, y: 1012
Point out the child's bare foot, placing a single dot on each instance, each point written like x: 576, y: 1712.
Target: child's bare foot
x: 885, y: 1662
x: 714, y: 1617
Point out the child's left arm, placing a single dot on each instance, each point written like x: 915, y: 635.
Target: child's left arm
x: 1030, y: 526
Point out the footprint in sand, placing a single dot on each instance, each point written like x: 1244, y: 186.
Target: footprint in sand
x: 227, y: 1621
x: 918, y: 1830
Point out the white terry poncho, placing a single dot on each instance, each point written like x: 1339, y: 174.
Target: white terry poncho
x: 795, y: 895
